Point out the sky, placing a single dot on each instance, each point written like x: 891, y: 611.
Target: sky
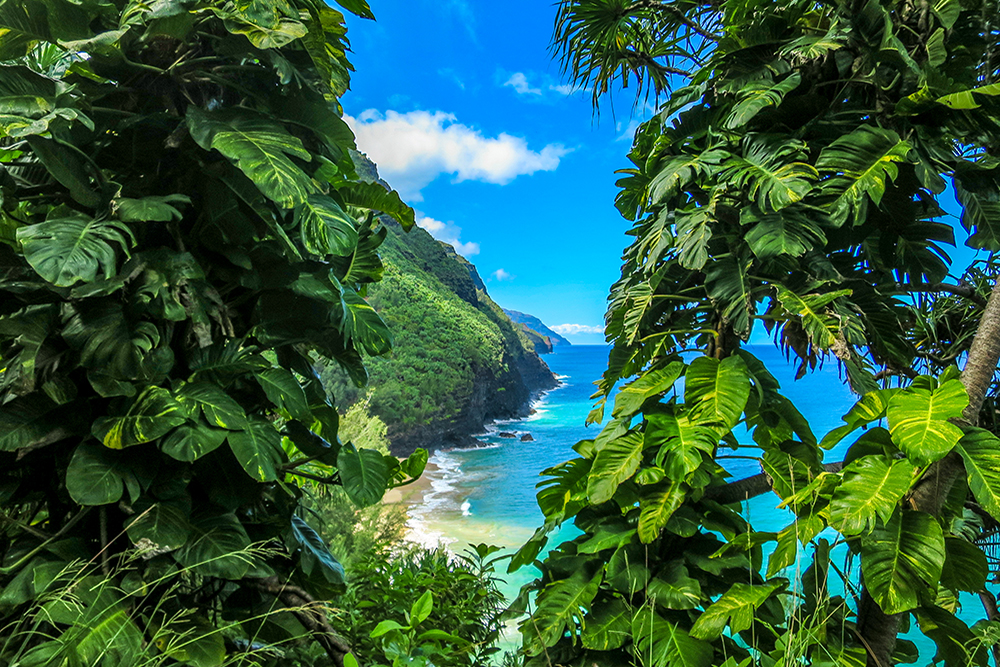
x: 464, y: 111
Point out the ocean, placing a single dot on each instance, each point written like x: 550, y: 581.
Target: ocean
x: 487, y: 494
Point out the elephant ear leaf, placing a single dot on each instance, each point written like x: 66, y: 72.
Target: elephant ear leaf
x: 980, y: 451
x: 67, y: 250
x: 315, y: 560
x: 918, y: 420
x: 325, y: 228
x: 97, y: 476
x: 871, y: 489
x: 901, y: 558
x: 374, y: 197
x: 258, y: 449
x: 260, y: 147
x: 363, y: 326
x: 364, y: 474
x: 152, y: 416
x: 717, y: 391
x: 736, y: 607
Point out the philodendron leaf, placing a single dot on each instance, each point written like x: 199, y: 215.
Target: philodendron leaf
x: 364, y: 474
x: 259, y: 146
x: 217, y: 547
x: 315, y: 558
x: 657, y: 504
x: 918, y: 420
x: 871, y: 488
x: 374, y: 197
x: 220, y: 410
x: 965, y: 566
x: 151, y: 209
x: 902, y: 558
x: 608, y: 627
x: 97, y: 476
x: 717, y: 391
x: 285, y: 392
x: 558, y: 606
x: 325, y: 228
x: 151, y: 416
x: 980, y: 451
x: 616, y: 462
x: 736, y: 607
x: 660, y: 642
x: 164, y: 524
x: 258, y: 449
x: 672, y: 588
x: 633, y: 395
x: 67, y: 250
x: 191, y: 441
x: 363, y: 326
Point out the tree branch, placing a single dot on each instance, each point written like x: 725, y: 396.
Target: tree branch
x: 309, y: 612
x: 963, y: 290
x: 678, y: 15
x: 750, y: 487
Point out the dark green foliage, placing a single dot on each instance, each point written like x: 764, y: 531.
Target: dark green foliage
x: 450, y: 340
x: 466, y: 602
x: 182, y: 229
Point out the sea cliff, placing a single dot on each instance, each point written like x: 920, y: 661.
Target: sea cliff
x: 458, y: 362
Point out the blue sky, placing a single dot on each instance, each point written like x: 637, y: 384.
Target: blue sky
x: 466, y: 115
x: 465, y: 112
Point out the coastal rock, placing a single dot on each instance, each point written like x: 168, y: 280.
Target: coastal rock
x: 505, y: 434
x: 527, y: 438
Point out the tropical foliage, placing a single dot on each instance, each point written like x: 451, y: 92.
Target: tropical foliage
x: 182, y: 229
x: 794, y: 176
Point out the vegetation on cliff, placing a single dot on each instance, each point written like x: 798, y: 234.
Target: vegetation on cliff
x: 457, y: 360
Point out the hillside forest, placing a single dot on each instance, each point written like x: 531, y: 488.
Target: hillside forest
x: 216, y: 323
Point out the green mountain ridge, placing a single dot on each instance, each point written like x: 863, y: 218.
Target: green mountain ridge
x: 457, y: 362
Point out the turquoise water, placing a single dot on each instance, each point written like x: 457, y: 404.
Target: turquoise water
x: 488, y: 494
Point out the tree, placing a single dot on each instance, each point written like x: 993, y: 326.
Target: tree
x: 794, y: 176
x: 183, y: 230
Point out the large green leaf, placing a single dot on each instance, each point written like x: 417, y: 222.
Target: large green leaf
x: 717, y: 391
x: 651, y: 383
x: 616, y: 462
x: 191, y: 441
x: 901, y: 559
x: 965, y: 566
x: 27, y: 421
x: 67, y: 250
x: 374, y: 197
x: 260, y: 147
x: 672, y: 588
x: 736, y: 608
x: 682, y: 446
x: 164, y: 524
x: 151, y: 209
x: 315, y: 558
x: 218, y: 547
x: 660, y: 643
x: 773, y: 174
x: 258, y: 449
x: 821, y: 326
x: 980, y: 451
x: 151, y: 416
x: 869, y: 408
x: 325, y: 228
x: 364, y: 265
x: 364, y: 474
x: 560, y: 607
x: 97, y: 476
x: 66, y: 167
x: 861, y: 165
x: 657, y: 504
x: 678, y: 172
x: 363, y: 326
x: 918, y: 420
x: 285, y: 392
x: 872, y: 488
x: 220, y: 409
x: 757, y: 96
x: 608, y: 626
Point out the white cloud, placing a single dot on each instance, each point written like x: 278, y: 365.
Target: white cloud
x: 572, y: 329
x: 450, y: 233
x: 519, y: 82
x: 565, y: 89
x: 502, y: 275
x: 412, y: 149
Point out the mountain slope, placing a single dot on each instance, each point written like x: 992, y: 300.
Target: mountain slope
x: 457, y: 362
x: 536, y: 325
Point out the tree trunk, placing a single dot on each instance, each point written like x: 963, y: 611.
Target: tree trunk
x: 877, y: 630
